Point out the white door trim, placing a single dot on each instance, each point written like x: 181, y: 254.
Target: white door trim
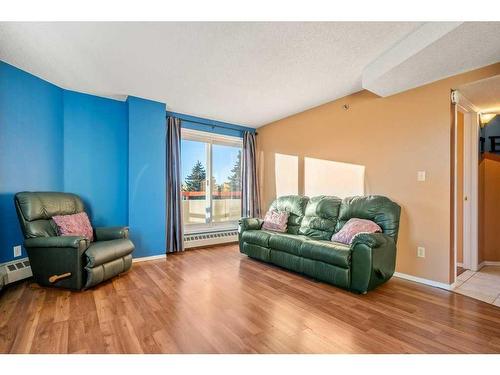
x: 470, y: 182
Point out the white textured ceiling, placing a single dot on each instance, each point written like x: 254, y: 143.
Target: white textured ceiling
x: 484, y: 94
x: 435, y: 51
x: 245, y: 73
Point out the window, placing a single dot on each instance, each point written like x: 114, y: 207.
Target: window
x: 211, y: 180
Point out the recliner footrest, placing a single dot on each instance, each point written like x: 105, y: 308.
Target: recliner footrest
x: 106, y: 251
x: 106, y: 271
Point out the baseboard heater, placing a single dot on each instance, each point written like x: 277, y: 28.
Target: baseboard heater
x: 210, y: 238
x: 15, y: 270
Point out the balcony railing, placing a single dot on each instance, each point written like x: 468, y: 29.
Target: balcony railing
x: 190, y: 195
x: 226, y: 206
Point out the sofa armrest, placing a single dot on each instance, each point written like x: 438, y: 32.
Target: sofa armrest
x: 373, y: 260
x: 372, y: 240
x: 76, y: 242
x: 249, y: 223
x: 110, y: 233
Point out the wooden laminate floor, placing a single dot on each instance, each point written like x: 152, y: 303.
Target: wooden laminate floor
x: 219, y: 301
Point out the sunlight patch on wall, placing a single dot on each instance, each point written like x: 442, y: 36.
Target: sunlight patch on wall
x: 287, y: 174
x: 326, y: 177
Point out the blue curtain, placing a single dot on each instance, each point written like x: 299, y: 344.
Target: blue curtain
x: 174, y: 230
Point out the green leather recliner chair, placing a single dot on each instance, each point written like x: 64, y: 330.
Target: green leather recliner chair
x: 306, y: 247
x: 69, y: 261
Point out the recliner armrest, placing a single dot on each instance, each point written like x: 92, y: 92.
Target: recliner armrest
x: 54, y: 256
x: 249, y: 223
x: 110, y: 233
x: 77, y: 242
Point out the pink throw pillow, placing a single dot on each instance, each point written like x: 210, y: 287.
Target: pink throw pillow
x: 276, y: 221
x: 354, y: 227
x: 74, y: 225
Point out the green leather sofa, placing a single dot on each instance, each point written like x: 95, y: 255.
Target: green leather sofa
x: 69, y: 261
x: 306, y: 247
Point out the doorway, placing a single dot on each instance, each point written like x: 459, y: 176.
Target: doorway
x: 477, y: 190
x: 466, y: 184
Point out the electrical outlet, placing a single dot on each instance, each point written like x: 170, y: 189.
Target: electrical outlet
x: 17, y: 251
x: 421, y: 176
x: 421, y: 252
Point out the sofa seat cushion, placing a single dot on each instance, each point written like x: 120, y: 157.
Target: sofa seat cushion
x: 329, y: 252
x: 257, y: 237
x: 289, y: 243
x: 256, y: 251
x: 105, y: 251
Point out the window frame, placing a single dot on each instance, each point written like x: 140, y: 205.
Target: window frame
x: 210, y: 139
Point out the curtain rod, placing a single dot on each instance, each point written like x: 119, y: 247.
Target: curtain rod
x: 213, y: 126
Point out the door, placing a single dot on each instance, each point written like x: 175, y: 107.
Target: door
x: 211, y: 175
x: 466, y: 183
x: 460, y: 191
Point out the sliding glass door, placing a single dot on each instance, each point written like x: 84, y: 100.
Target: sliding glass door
x: 211, y: 175
x: 194, y: 181
x: 226, y: 186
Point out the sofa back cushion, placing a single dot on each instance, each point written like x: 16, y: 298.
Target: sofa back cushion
x: 379, y: 209
x: 321, y: 216
x: 295, y: 205
x: 36, y: 209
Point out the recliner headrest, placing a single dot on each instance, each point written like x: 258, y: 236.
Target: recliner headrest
x: 44, y: 205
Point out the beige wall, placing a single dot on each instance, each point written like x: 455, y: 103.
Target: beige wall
x: 392, y: 138
x: 489, y: 211
x: 480, y: 221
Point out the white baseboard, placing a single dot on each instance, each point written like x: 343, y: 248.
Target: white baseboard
x: 421, y: 280
x: 153, y: 257
x: 488, y: 263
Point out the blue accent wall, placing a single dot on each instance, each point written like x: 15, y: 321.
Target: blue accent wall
x: 147, y: 130
x: 31, y: 145
x: 109, y: 152
x: 96, y: 156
